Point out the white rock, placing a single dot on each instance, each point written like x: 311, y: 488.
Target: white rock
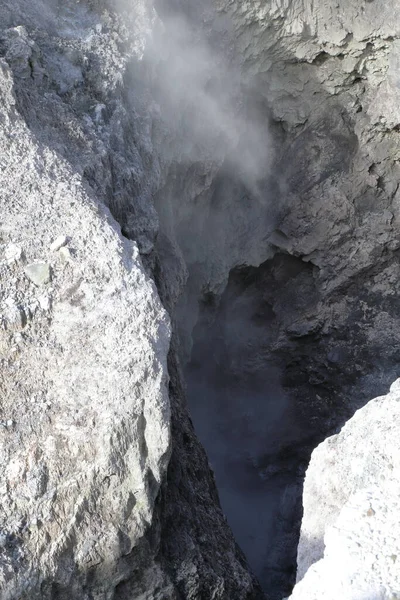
x: 13, y: 253
x: 103, y: 356
x: 38, y: 273
x: 58, y: 243
x: 44, y: 302
x: 10, y: 301
x: 350, y: 537
x: 65, y: 254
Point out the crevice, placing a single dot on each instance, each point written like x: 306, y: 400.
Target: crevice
x: 265, y: 386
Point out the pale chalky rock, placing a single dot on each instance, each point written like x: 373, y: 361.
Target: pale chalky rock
x: 65, y: 254
x: 58, y: 243
x: 12, y: 253
x: 350, y: 537
x: 89, y: 464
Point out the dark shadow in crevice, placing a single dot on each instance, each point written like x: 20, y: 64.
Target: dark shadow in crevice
x: 268, y: 380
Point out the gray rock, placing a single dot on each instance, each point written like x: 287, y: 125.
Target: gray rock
x: 65, y: 254
x: 130, y: 506
x: 351, y: 506
x: 36, y: 480
x: 114, y: 516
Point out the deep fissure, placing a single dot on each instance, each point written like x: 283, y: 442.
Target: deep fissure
x: 264, y: 387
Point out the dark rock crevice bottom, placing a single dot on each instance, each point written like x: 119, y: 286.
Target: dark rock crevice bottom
x: 266, y: 384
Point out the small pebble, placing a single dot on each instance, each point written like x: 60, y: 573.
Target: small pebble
x: 10, y: 423
x: 44, y: 302
x: 13, y: 253
x: 33, y: 306
x: 58, y: 243
x: 65, y: 254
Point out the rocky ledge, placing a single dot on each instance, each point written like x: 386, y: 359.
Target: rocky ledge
x: 350, y: 535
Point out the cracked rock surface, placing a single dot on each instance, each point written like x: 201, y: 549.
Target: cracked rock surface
x: 85, y: 439
x: 105, y: 491
x: 349, y: 544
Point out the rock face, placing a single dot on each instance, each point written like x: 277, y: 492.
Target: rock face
x: 164, y: 157
x: 85, y: 431
x: 349, y: 544
x: 105, y: 491
x: 312, y: 294
x: 330, y: 195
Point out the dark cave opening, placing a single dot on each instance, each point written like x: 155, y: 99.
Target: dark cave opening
x: 268, y: 380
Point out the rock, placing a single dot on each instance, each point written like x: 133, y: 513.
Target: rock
x: 65, y: 254
x: 126, y: 507
x: 44, y: 302
x: 12, y: 253
x: 351, y: 505
x: 130, y: 508
x: 15, y: 317
x: 38, y: 273
x: 108, y: 441
x: 36, y: 480
x: 58, y: 243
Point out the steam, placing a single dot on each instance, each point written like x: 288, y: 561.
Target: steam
x: 244, y: 418
x: 210, y: 117
x: 197, y: 83
x: 207, y: 117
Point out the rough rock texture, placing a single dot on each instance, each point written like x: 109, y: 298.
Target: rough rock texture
x: 350, y: 542
x: 320, y: 295
x: 85, y: 434
x: 266, y: 136
x: 326, y: 193
x: 98, y: 499
x: 330, y: 196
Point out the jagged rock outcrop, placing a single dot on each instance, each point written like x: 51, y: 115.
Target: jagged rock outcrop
x: 330, y: 194
x: 105, y: 491
x: 321, y: 309
x: 349, y: 544
x: 85, y: 413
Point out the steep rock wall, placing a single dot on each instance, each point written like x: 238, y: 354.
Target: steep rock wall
x: 294, y: 150
x: 329, y: 193
x: 85, y: 431
x: 320, y: 224
x: 349, y: 543
x: 99, y: 500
